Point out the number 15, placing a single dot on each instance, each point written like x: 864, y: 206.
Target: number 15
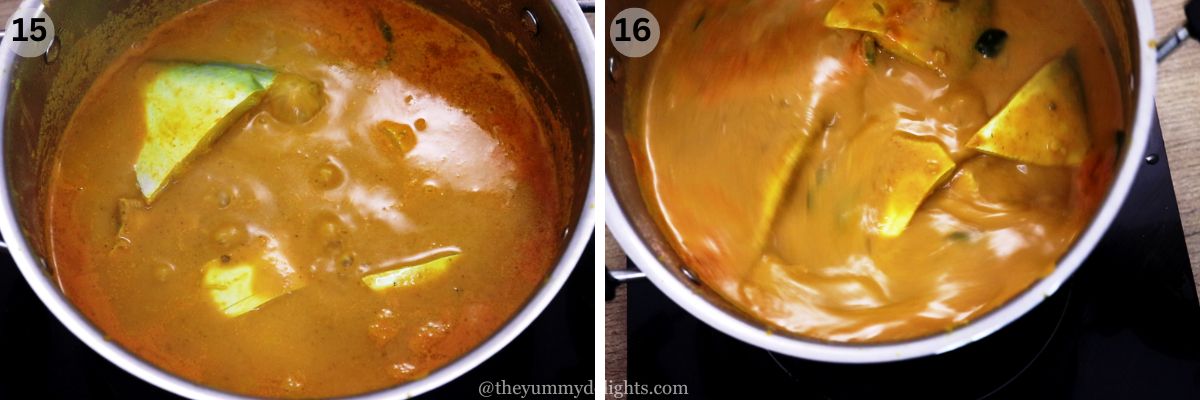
x: 38, y: 31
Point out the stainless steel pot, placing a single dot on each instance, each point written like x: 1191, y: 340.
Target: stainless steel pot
x: 1127, y: 26
x: 547, y: 43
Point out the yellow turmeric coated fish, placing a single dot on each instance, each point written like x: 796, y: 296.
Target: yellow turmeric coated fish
x: 909, y: 171
x: 1044, y: 124
x: 409, y: 275
x: 936, y: 33
x: 868, y: 187
x: 187, y: 106
x: 237, y: 287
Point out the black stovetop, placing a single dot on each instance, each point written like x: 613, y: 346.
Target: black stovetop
x: 43, y: 360
x: 1125, y: 326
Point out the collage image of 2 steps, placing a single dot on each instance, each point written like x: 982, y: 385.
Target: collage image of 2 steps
x: 600, y: 199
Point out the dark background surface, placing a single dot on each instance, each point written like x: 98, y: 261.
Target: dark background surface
x: 1125, y: 326
x: 43, y: 360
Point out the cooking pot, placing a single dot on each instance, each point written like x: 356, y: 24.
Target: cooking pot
x: 546, y: 43
x: 1127, y: 26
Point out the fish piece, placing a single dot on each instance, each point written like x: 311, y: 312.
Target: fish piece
x: 911, y: 170
x: 410, y: 275
x: 936, y: 33
x: 238, y: 287
x: 1044, y: 124
x: 187, y: 106
x: 869, y: 184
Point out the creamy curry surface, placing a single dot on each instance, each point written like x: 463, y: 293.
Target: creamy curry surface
x: 380, y: 207
x: 877, y: 183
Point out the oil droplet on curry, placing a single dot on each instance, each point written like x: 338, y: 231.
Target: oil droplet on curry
x: 304, y: 198
x: 875, y: 171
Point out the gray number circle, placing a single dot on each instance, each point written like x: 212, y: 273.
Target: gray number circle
x: 29, y: 32
x: 634, y: 32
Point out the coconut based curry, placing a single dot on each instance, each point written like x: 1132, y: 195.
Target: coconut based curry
x: 875, y: 171
x: 304, y: 198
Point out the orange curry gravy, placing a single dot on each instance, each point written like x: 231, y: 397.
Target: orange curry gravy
x: 331, y: 198
x: 735, y: 85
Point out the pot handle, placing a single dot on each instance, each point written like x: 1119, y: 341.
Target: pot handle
x: 1190, y: 29
x: 614, y: 278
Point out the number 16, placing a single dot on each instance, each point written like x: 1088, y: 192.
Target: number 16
x: 641, y: 32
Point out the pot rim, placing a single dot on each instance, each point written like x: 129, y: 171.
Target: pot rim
x: 682, y: 293
x: 50, y: 295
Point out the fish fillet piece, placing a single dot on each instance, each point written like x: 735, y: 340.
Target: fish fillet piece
x: 1044, y: 124
x: 187, y: 106
x: 939, y: 34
